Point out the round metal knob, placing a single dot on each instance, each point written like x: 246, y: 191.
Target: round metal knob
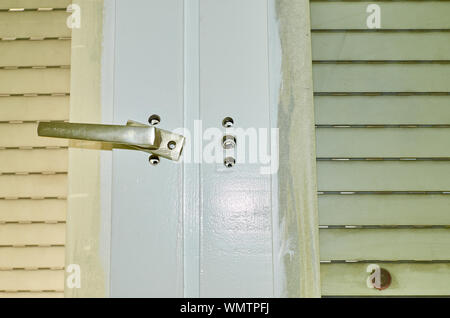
x: 385, y: 279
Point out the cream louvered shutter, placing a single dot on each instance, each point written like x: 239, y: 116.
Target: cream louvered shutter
x: 383, y: 126
x: 34, y: 86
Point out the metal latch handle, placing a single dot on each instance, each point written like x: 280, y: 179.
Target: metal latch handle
x: 135, y: 135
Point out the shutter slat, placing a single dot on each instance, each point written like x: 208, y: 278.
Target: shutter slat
x: 362, y: 110
x: 34, y: 24
x: 42, y: 81
x: 381, y: 46
x: 407, y: 280
x: 36, y: 160
x: 19, y: 257
x: 33, y: 186
x: 32, y: 280
x: 18, y: 135
x: 384, y: 244
x: 384, y: 209
x: 34, y: 108
x: 32, y: 53
x: 32, y: 234
x: 33, y: 295
x: 7, y: 4
x: 383, y: 142
x: 32, y: 210
x: 383, y: 176
x: 381, y: 77
x: 394, y: 15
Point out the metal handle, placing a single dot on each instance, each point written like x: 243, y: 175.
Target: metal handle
x: 134, y: 135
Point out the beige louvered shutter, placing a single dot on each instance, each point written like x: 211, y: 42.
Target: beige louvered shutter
x: 383, y: 113
x: 34, y: 86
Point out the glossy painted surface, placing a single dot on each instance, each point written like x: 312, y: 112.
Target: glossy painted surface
x: 146, y: 249
x: 236, y: 228
x: 192, y: 229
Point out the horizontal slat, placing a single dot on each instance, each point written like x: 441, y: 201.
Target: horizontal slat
x: 17, y: 135
x: 382, y: 110
x: 407, y: 279
x: 33, y: 186
x: 384, y: 209
x: 381, y: 77
x: 7, y: 4
x: 32, y: 210
x: 32, y: 280
x: 40, y: 257
x: 34, y: 81
x: 34, y: 108
x: 32, y: 53
x: 59, y: 294
x: 381, y: 46
x: 32, y: 234
x: 383, y: 175
x: 384, y: 244
x: 34, y: 24
x: 35, y: 160
x: 394, y: 15
x: 383, y: 142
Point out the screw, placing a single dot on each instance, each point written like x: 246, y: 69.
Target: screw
x: 172, y: 145
x: 154, y: 160
x: 228, y: 142
x: 154, y: 120
x: 228, y: 122
x: 229, y: 162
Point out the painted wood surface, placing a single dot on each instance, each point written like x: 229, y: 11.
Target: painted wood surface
x: 395, y: 15
x: 147, y: 242
x: 385, y: 244
x: 349, y: 59
x: 383, y: 176
x: 382, y: 110
x: 407, y: 46
x: 384, y: 209
x: 407, y: 280
x: 35, y: 53
x: 382, y: 142
x: 34, y: 24
x: 236, y: 240
x: 7, y: 4
x: 298, y: 218
x: 83, y: 217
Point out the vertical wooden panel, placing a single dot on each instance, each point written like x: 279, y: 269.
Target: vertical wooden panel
x: 146, y: 255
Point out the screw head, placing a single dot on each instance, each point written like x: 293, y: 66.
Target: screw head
x: 154, y: 120
x: 228, y: 122
x: 229, y: 162
x: 154, y: 160
x: 228, y: 142
x: 171, y: 145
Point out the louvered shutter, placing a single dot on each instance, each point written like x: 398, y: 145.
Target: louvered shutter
x: 34, y: 86
x: 383, y: 126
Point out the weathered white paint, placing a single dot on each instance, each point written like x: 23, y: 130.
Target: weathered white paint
x: 298, y: 218
x: 275, y: 77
